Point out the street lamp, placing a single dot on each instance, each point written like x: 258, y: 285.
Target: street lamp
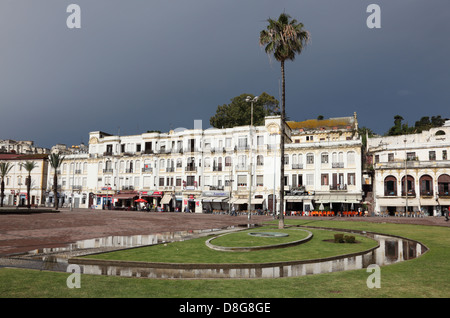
x: 251, y: 100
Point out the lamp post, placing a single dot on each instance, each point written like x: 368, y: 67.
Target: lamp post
x: 251, y: 100
x: 406, y: 179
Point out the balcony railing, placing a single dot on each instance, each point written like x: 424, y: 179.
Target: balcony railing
x: 147, y: 170
x: 337, y: 165
x: 297, y: 166
x: 170, y: 169
x: 190, y: 169
x: 217, y: 168
x: 108, y: 170
x: 242, y: 167
x: 411, y: 193
x: 338, y: 187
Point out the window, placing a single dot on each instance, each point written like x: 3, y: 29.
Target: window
x: 260, y: 140
x: 228, y: 142
x: 260, y: 180
x: 390, y: 157
x: 310, y: 179
x: 431, y: 155
x: 324, y: 158
x: 227, y: 161
x: 390, y: 186
x: 351, y: 179
x: 190, y: 181
x: 260, y: 160
x: 242, y: 142
x: 178, y: 182
x: 324, y: 179
x: 411, y: 156
x: 444, y: 154
x: 161, y: 182
x: 309, y: 158
x: 242, y: 180
x: 286, y: 159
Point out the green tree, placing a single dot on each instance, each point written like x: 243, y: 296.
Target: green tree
x: 284, y: 38
x: 5, y: 167
x: 56, y: 160
x: 237, y: 113
x: 29, y: 166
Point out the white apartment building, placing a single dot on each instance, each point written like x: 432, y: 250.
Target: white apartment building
x: 420, y: 159
x: 216, y: 169
x: 323, y: 165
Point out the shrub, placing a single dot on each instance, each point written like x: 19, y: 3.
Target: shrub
x: 349, y: 239
x: 338, y: 238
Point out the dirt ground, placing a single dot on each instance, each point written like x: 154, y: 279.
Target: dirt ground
x: 25, y: 232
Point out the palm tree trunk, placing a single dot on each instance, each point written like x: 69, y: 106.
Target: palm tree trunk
x: 283, y: 117
x: 55, y: 190
x: 2, y: 195
x: 28, y: 191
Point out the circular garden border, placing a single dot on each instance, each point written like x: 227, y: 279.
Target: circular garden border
x: 256, y: 248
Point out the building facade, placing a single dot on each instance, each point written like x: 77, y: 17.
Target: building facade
x: 15, y: 181
x: 200, y: 170
x: 412, y: 172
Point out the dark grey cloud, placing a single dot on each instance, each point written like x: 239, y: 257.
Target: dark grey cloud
x: 141, y: 65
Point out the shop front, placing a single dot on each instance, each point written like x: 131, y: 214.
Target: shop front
x: 214, y: 201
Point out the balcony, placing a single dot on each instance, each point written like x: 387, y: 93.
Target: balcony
x: 129, y: 170
x: 297, y: 166
x: 443, y: 194
x: 190, y: 169
x: 338, y: 187
x: 337, y: 165
x: 170, y: 169
x: 411, y: 193
x: 147, y: 170
x: 217, y: 168
x: 77, y: 171
x: 242, y: 167
x: 108, y: 170
x: 426, y: 193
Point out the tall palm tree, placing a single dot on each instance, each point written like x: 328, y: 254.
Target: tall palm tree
x: 55, y: 161
x: 284, y: 38
x: 29, y: 166
x: 5, y: 167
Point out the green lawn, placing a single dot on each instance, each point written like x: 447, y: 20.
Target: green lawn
x: 196, y: 251
x: 426, y: 276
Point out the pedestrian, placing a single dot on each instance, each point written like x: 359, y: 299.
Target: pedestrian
x: 446, y: 214
x: 233, y: 211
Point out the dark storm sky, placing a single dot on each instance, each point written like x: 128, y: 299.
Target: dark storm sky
x: 139, y: 65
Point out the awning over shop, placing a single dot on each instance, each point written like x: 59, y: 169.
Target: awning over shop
x: 338, y: 198
x: 257, y: 201
x: 220, y: 199
x: 239, y: 201
x: 397, y: 202
x: 428, y: 202
x: 294, y: 198
x: 444, y: 201
x: 124, y: 196
x: 166, y: 199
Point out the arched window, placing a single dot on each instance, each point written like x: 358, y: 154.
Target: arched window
x: 444, y: 185
x: 390, y: 186
x: 426, y: 185
x: 409, y: 186
x: 228, y: 161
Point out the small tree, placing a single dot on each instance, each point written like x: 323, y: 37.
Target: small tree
x: 29, y: 166
x: 5, y: 167
x: 55, y: 161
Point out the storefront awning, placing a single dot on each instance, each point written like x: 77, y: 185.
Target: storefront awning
x: 257, y: 201
x: 428, y: 202
x: 444, y: 201
x: 294, y: 198
x: 166, y: 199
x: 239, y: 201
x: 338, y: 198
x: 125, y: 196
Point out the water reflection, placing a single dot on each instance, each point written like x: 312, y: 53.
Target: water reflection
x: 390, y: 250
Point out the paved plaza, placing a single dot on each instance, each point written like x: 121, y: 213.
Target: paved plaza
x: 25, y: 232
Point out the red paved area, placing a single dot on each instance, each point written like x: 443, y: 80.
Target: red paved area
x: 26, y: 232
